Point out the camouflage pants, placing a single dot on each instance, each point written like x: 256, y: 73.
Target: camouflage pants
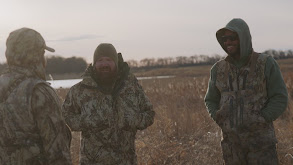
x: 235, y: 153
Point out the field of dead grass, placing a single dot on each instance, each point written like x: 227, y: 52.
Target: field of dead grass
x: 183, y: 132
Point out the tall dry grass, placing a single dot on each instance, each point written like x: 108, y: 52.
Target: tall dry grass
x: 183, y: 132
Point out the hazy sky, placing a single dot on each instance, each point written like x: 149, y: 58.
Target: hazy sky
x: 146, y: 28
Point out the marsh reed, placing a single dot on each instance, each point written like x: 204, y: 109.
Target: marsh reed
x: 183, y: 132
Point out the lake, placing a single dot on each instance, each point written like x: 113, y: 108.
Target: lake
x: 70, y: 82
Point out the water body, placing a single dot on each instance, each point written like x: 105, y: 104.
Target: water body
x: 70, y: 82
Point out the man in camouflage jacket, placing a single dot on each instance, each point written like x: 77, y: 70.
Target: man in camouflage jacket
x: 246, y: 93
x: 32, y: 129
x: 108, y: 106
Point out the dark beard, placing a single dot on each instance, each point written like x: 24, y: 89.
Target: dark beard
x: 107, y: 79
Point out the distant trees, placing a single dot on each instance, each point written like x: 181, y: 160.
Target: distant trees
x: 174, y: 62
x: 279, y: 54
x: 60, y: 65
x: 195, y: 60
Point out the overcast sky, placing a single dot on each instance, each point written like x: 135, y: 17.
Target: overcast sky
x: 146, y: 28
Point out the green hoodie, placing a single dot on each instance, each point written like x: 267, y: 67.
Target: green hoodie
x: 276, y: 88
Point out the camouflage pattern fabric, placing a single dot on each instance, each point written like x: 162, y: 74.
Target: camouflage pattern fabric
x: 108, y: 122
x: 26, y: 48
x: 246, y: 134
x: 247, y: 151
x: 32, y: 129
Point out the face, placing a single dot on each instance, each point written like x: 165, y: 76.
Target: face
x: 231, y: 44
x: 105, y: 67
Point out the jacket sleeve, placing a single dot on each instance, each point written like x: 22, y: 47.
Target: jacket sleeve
x: 276, y: 91
x: 78, y: 117
x: 146, y: 113
x: 213, y: 95
x: 71, y: 111
x: 54, y: 133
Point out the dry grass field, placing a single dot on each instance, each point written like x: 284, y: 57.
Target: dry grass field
x: 183, y: 132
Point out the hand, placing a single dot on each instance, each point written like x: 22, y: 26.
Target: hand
x: 221, y: 116
x: 93, y: 122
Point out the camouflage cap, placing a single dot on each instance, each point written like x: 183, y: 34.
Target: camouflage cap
x: 106, y: 50
x: 25, y: 46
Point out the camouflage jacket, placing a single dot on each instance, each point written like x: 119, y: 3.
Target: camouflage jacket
x: 32, y: 129
x: 108, y: 122
x: 243, y: 95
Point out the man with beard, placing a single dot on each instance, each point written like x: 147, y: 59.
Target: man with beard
x: 246, y: 93
x: 108, y: 106
x: 32, y: 129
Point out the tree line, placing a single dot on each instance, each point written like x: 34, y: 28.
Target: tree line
x: 196, y: 60
x: 174, y: 62
x: 61, y: 65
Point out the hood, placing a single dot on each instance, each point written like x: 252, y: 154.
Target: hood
x: 92, y: 80
x: 26, y: 48
x: 106, y: 50
x: 241, y: 28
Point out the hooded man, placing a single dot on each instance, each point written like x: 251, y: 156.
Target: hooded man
x: 32, y: 129
x: 108, y: 106
x: 246, y: 93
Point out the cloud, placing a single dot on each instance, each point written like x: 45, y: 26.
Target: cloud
x: 76, y: 38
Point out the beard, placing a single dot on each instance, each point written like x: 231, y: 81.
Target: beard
x: 106, y: 78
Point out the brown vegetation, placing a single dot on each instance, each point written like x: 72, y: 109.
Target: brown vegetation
x: 183, y: 132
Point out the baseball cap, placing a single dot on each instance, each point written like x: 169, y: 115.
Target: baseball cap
x: 26, y: 39
x: 24, y: 47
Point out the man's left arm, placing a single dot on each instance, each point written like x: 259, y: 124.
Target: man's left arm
x: 146, y: 113
x: 276, y: 91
